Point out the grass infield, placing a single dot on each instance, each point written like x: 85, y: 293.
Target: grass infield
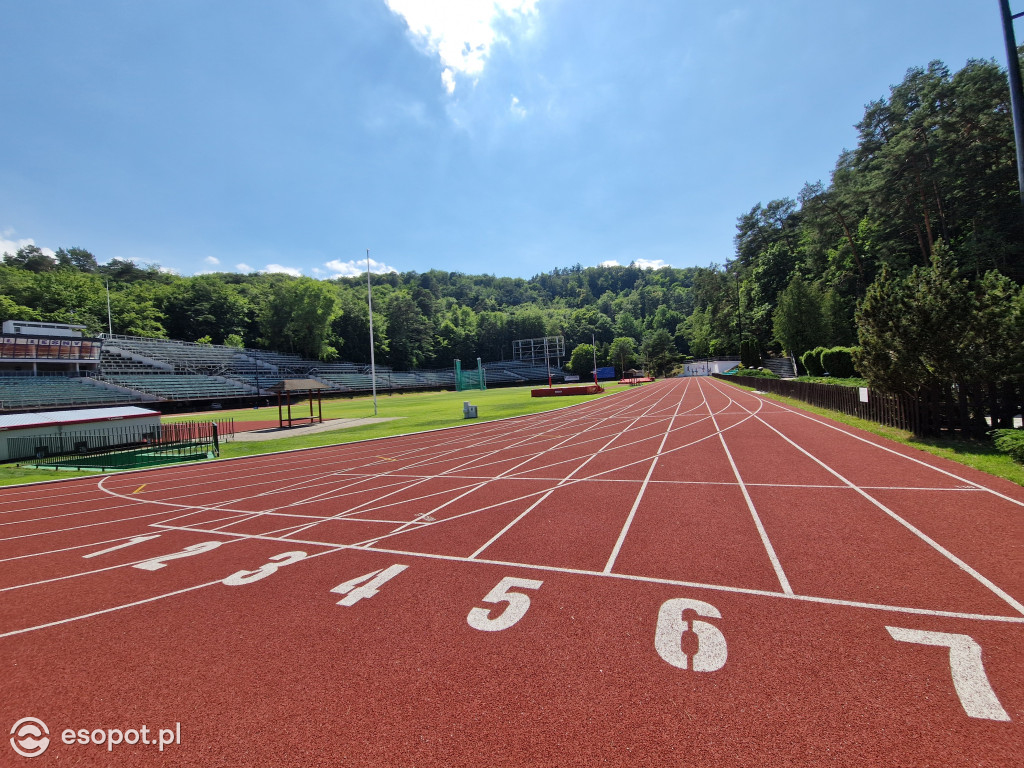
x: 413, y: 412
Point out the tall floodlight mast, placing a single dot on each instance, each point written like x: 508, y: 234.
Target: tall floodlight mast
x: 369, y: 304
x: 1016, y: 91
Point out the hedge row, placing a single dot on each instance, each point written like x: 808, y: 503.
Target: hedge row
x: 836, y: 361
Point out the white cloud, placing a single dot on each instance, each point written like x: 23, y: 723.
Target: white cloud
x: 243, y: 267
x: 11, y: 246
x: 649, y: 263
x: 212, y: 260
x: 517, y: 109
x: 283, y: 270
x: 357, y: 267
x: 641, y: 263
x: 461, y: 32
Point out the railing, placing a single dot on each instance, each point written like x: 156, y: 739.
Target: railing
x: 124, y: 447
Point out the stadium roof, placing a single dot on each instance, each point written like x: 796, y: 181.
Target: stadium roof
x: 48, y: 418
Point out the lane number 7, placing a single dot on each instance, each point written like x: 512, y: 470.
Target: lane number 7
x: 969, y: 678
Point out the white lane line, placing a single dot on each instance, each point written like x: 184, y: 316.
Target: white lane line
x: 66, y: 549
x: 568, y: 479
x: 369, y: 506
x: 144, y: 601
x: 809, y: 417
x: 774, y: 558
x: 634, y: 578
x: 643, y: 488
x: 914, y: 530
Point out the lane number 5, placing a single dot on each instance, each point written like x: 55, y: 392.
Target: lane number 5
x: 518, y: 604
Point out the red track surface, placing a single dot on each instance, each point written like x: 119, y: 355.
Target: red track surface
x: 701, y: 578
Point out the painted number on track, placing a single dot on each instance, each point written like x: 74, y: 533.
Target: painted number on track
x: 277, y: 561
x: 130, y: 543
x: 518, y: 604
x: 969, y: 678
x: 673, y: 625
x: 366, y: 586
x: 191, y: 551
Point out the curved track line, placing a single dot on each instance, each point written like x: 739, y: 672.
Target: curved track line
x: 987, y: 583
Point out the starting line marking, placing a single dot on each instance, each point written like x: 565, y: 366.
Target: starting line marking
x: 623, y: 576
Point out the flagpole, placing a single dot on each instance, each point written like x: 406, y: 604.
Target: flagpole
x: 110, y: 323
x: 369, y: 304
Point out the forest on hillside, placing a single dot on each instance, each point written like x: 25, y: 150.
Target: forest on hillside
x: 931, y: 184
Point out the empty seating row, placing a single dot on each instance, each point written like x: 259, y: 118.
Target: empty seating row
x: 179, y: 386
x: 28, y: 392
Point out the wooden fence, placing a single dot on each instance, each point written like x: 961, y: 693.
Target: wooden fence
x: 941, y: 411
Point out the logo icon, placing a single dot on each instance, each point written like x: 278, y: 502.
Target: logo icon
x: 30, y: 737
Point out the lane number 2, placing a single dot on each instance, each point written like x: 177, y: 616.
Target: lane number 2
x: 711, y: 651
x: 157, y: 563
x: 518, y: 604
x: 969, y: 678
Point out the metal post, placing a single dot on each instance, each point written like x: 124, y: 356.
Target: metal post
x: 110, y: 322
x: 547, y: 360
x: 1016, y: 91
x: 369, y: 303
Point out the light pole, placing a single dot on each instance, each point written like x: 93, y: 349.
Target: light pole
x: 1016, y: 91
x: 369, y: 304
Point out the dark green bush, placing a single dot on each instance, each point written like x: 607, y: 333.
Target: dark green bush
x: 760, y: 373
x: 811, y: 362
x: 1010, y: 441
x: 838, y: 362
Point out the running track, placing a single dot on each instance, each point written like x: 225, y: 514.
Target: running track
x: 683, y: 574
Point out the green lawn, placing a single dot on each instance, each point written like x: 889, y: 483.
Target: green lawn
x: 416, y: 412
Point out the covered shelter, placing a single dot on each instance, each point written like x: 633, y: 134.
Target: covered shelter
x: 299, y: 387
x: 26, y: 434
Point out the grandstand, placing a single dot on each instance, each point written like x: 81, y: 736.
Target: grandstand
x: 132, y: 369
x: 27, y: 393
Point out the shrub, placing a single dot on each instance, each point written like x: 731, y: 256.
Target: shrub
x: 811, y: 362
x: 838, y: 362
x: 1010, y: 441
x: 760, y: 373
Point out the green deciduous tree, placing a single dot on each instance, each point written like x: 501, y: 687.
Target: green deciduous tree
x: 798, y: 322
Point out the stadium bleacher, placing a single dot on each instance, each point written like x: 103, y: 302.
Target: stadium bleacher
x: 19, y: 393
x: 134, y: 369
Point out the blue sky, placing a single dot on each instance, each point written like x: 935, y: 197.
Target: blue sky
x: 506, y: 137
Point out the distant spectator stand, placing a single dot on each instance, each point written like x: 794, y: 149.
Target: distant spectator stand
x: 291, y: 388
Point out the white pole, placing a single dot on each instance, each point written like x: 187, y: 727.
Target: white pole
x: 369, y: 303
x: 110, y: 323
